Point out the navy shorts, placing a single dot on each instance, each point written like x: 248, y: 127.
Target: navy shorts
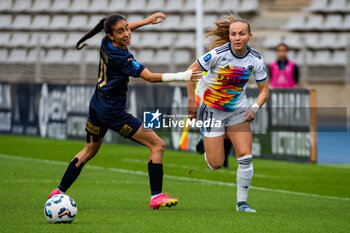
x: 125, y: 124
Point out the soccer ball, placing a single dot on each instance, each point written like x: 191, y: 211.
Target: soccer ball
x: 60, y: 209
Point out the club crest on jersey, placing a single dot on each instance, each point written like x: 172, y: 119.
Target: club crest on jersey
x: 250, y: 69
x: 207, y: 57
x: 135, y: 64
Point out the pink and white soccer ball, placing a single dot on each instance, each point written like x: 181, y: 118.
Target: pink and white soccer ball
x: 60, y: 209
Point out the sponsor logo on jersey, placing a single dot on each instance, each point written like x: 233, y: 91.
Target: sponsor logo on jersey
x: 207, y: 57
x: 250, y: 69
x: 136, y: 64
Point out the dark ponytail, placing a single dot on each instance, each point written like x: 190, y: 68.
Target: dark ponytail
x: 105, y: 23
x: 91, y: 33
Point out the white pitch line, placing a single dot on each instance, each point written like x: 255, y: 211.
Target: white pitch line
x: 10, y: 181
x: 173, y: 165
x: 201, y: 181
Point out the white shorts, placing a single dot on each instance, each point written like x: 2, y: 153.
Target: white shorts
x: 206, y: 113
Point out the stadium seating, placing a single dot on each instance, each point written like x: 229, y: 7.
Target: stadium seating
x: 329, y: 6
x: 162, y: 57
x: 56, y: 40
x: 91, y: 56
x: 37, y: 39
x: 22, y: 6
x: 346, y: 24
x: 231, y: 5
x: 19, y: 39
x: 41, y: 5
x: 59, y: 22
x: 295, y: 23
x: 333, y: 22
x: 249, y: 5
x: 53, y: 56
x: 174, y: 5
x: 60, y: 5
x: 72, y: 39
x: 183, y: 57
x: 78, y: 6
x: 21, y: 22
x: 116, y: 5
x: 40, y: 22
x: 339, y: 58
x: 172, y: 21
x: 185, y: 40
x: 145, y: 56
x: 293, y: 41
x: 32, y: 56
x: 77, y: 22
x: 17, y: 56
x: 3, y: 55
x: 4, y: 39
x: 56, y: 25
x: 5, y: 5
x: 72, y: 57
x: 166, y: 40
x: 98, y: 5
x: 317, y: 5
x: 318, y: 38
x: 5, y: 21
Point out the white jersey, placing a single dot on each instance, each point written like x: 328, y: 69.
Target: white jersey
x: 223, y: 87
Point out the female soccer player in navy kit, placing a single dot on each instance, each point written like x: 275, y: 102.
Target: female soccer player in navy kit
x: 107, y: 108
x: 229, y: 65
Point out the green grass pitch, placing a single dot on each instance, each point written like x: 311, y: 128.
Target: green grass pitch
x: 113, y: 193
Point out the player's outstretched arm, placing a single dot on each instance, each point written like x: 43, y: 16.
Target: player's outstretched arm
x: 191, y: 86
x: 153, y: 19
x: 185, y: 76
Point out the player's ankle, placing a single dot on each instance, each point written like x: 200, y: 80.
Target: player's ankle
x: 156, y: 195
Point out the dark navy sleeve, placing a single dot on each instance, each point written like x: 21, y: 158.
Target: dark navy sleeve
x: 131, y: 67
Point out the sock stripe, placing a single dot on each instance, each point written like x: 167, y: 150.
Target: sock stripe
x: 245, y: 161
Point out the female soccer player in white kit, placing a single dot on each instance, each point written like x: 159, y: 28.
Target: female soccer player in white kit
x: 229, y: 64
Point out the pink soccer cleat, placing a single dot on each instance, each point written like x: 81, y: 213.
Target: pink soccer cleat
x: 162, y: 200
x: 54, y: 192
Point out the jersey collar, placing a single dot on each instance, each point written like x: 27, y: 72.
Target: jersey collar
x: 239, y: 57
x: 112, y: 47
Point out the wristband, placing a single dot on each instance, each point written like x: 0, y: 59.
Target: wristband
x: 180, y: 76
x: 255, y: 107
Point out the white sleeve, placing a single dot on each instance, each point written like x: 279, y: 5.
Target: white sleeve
x: 260, y: 72
x: 208, y: 60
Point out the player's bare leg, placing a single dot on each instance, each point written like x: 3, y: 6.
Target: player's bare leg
x: 214, y: 151
x: 241, y: 138
x: 150, y: 139
x: 90, y: 149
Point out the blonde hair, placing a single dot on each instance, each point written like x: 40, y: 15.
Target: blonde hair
x: 221, y: 30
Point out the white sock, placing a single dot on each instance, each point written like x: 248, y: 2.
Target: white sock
x: 244, y: 177
x: 153, y: 196
x: 206, y: 160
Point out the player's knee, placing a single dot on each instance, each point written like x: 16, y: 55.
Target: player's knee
x: 215, y: 164
x: 158, y: 146
x: 243, y: 153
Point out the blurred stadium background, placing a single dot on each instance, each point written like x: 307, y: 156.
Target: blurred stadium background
x: 37, y: 40
x: 45, y: 86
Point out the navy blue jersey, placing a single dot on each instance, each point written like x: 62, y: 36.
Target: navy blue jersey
x: 115, y: 67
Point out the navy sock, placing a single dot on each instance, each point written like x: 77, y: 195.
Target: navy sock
x: 227, y: 146
x: 70, y: 175
x: 155, y: 172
